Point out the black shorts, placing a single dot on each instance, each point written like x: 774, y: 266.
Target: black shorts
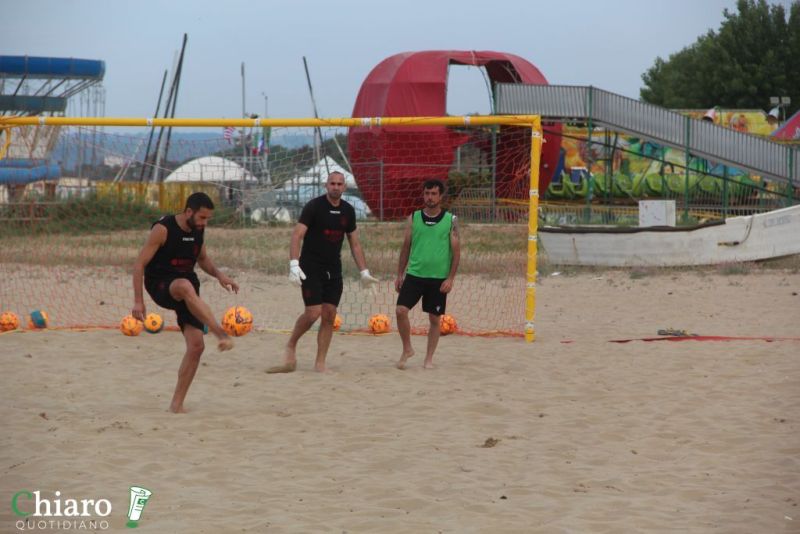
x: 321, y: 286
x: 158, y: 289
x: 414, y: 288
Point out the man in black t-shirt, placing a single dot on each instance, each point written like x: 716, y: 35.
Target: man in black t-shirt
x: 165, y: 267
x: 317, y: 268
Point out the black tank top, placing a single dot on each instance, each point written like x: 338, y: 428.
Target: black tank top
x: 177, y: 256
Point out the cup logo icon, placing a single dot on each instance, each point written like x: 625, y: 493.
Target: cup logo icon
x: 139, y: 498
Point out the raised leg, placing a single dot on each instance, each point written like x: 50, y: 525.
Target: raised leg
x: 183, y: 290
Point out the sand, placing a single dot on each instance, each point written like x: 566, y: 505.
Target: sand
x: 568, y: 434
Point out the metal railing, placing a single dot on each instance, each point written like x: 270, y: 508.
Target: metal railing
x: 696, y: 137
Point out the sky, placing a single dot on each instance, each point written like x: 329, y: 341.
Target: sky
x: 608, y: 44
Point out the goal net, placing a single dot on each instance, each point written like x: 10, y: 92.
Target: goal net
x: 69, y: 237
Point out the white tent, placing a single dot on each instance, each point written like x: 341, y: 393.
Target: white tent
x: 210, y: 169
x: 311, y: 184
x: 304, y: 193
x: 318, y: 173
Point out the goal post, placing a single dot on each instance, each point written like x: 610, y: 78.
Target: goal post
x: 405, y: 143
x: 531, y: 121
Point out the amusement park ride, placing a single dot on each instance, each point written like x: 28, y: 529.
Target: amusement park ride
x: 45, y: 86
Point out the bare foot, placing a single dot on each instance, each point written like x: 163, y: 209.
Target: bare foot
x: 428, y: 365
x: 320, y: 368
x: 401, y: 364
x: 288, y: 367
x: 177, y: 409
x: 289, y: 362
x: 225, y: 343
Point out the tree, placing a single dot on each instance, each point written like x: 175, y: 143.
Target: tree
x: 754, y: 55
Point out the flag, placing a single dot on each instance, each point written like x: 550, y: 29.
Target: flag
x: 266, y: 133
x: 227, y: 133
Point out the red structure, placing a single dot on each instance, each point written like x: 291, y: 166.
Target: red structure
x: 790, y: 131
x: 390, y: 163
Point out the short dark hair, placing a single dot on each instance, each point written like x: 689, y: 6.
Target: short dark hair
x: 430, y: 184
x: 197, y: 201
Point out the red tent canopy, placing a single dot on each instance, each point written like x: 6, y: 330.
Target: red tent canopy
x: 790, y: 129
x: 390, y: 163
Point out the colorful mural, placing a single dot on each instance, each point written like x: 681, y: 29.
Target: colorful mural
x: 752, y: 121
x: 642, y: 169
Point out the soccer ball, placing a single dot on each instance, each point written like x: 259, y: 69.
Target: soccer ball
x: 447, y: 324
x: 337, y: 322
x: 37, y: 319
x: 131, y: 326
x: 379, y: 323
x: 153, y: 323
x: 237, y: 321
x: 8, y: 321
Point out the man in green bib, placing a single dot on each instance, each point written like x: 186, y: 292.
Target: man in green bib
x: 427, y: 267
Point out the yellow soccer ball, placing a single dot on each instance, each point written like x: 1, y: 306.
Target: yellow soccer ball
x: 337, y: 323
x: 237, y: 321
x: 131, y: 326
x: 37, y: 319
x: 447, y: 324
x: 153, y: 323
x: 8, y: 321
x: 379, y: 323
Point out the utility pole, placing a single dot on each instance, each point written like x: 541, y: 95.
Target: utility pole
x: 265, y: 138
x: 153, y: 129
x: 317, y: 130
x: 244, y: 145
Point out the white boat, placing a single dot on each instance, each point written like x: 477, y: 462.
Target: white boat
x: 737, y: 239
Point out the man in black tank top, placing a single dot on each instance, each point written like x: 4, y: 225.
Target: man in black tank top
x: 317, y: 268
x: 165, y: 267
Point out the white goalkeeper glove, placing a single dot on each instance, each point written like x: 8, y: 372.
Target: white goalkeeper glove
x: 296, y: 274
x: 367, y: 280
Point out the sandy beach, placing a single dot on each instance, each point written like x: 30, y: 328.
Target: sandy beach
x: 569, y: 434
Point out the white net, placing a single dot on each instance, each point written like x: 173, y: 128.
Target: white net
x: 69, y: 242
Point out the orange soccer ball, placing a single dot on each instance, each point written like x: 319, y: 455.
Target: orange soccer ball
x: 447, y: 324
x: 153, y: 323
x: 131, y: 326
x: 337, y: 323
x: 8, y: 321
x: 379, y: 323
x: 237, y: 321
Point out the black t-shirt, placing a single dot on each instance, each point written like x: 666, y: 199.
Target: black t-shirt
x: 177, y: 256
x: 327, y: 225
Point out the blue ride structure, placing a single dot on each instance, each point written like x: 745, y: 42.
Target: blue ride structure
x: 32, y: 85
